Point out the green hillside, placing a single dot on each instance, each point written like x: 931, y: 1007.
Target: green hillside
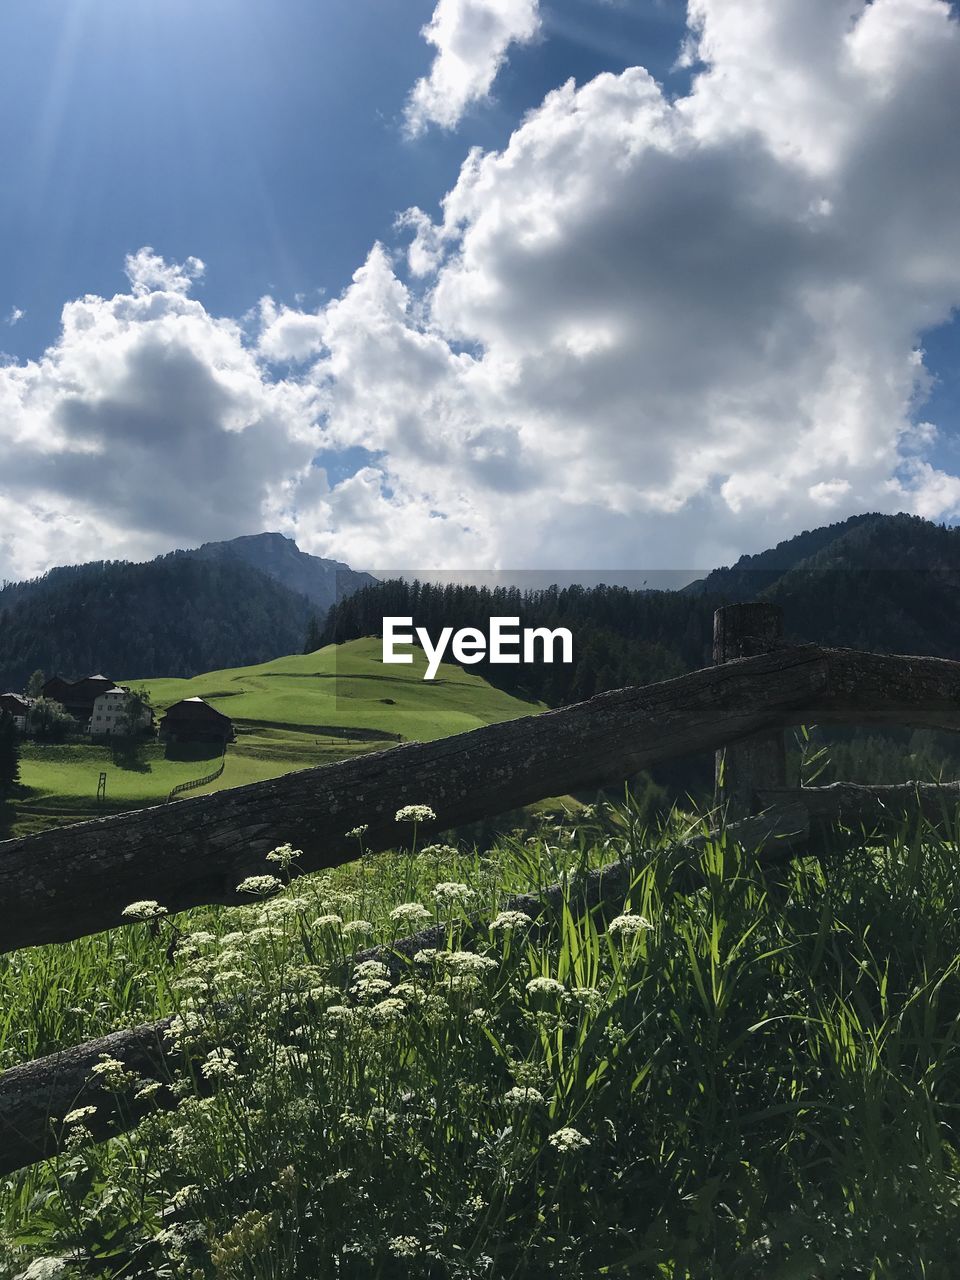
x: 347, y: 687
x: 291, y: 713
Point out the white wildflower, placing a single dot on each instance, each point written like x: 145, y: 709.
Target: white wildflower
x: 404, y: 1246
x: 370, y: 988
x: 341, y: 898
x: 510, y: 920
x: 355, y: 833
x: 328, y: 921
x: 628, y: 924
x: 461, y: 962
x: 260, y: 886
x: 285, y: 854
x: 568, y: 1139
x: 441, y: 851
x: 183, y: 1195
x: 588, y: 996
x: 282, y: 908
x: 221, y: 1064
x: 450, y: 892
x: 79, y: 1114
x: 410, y: 914
x: 148, y: 909
x: 416, y: 813
x: 523, y: 1096
x: 357, y: 926
x: 545, y: 987
x: 426, y: 956
x: 388, y: 1010
x: 340, y: 1013
x: 463, y: 983
x: 111, y: 1072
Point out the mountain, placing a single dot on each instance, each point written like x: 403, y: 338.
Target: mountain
x: 223, y: 604
x: 173, y: 616
x: 887, y: 583
x: 323, y: 582
x: 754, y: 573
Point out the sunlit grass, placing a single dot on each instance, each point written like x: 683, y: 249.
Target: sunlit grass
x: 755, y: 1077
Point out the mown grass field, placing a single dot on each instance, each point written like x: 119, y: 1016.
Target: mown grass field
x: 744, y: 1076
x: 291, y: 713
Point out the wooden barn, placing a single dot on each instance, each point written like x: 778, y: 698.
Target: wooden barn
x: 193, y: 720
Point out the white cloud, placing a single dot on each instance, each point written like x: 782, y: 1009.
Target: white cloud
x: 148, y: 424
x: 148, y: 272
x: 15, y: 315
x: 670, y: 326
x: 471, y: 38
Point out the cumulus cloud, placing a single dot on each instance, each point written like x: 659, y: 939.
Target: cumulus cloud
x: 147, y: 272
x: 14, y: 316
x: 678, y: 326
x: 148, y: 424
x: 471, y: 38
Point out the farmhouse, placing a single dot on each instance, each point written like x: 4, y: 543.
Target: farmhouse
x: 18, y: 706
x: 110, y: 715
x: 77, y: 696
x: 194, y: 720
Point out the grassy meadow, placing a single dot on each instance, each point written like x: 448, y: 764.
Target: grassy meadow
x: 291, y: 713
x: 740, y: 1075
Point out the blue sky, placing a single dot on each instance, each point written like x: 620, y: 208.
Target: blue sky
x: 630, y: 324
x: 262, y: 138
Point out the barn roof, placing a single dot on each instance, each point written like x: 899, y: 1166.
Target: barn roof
x: 192, y: 706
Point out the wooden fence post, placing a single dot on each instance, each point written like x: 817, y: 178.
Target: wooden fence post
x: 759, y: 762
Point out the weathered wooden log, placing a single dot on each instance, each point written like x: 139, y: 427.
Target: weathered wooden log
x: 869, y: 812
x: 744, y: 631
x: 36, y: 1096
x: 73, y: 881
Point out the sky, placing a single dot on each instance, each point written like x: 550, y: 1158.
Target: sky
x: 475, y: 284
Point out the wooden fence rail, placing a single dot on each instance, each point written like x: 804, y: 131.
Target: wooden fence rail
x: 195, y: 783
x: 65, y: 883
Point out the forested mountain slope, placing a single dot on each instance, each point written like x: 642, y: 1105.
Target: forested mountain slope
x: 174, y: 616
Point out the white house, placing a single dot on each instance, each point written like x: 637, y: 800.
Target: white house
x: 109, y: 714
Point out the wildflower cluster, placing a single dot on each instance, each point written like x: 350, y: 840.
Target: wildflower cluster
x: 451, y: 893
x: 628, y: 925
x: 416, y: 813
x: 148, y: 909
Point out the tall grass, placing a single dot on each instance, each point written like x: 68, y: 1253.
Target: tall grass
x: 758, y: 1077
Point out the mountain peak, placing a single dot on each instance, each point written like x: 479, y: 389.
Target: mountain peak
x: 322, y: 581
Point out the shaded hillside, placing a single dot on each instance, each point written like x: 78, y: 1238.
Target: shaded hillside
x: 621, y: 637
x: 888, y: 583
x: 174, y: 616
x: 752, y: 574
x: 323, y: 582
